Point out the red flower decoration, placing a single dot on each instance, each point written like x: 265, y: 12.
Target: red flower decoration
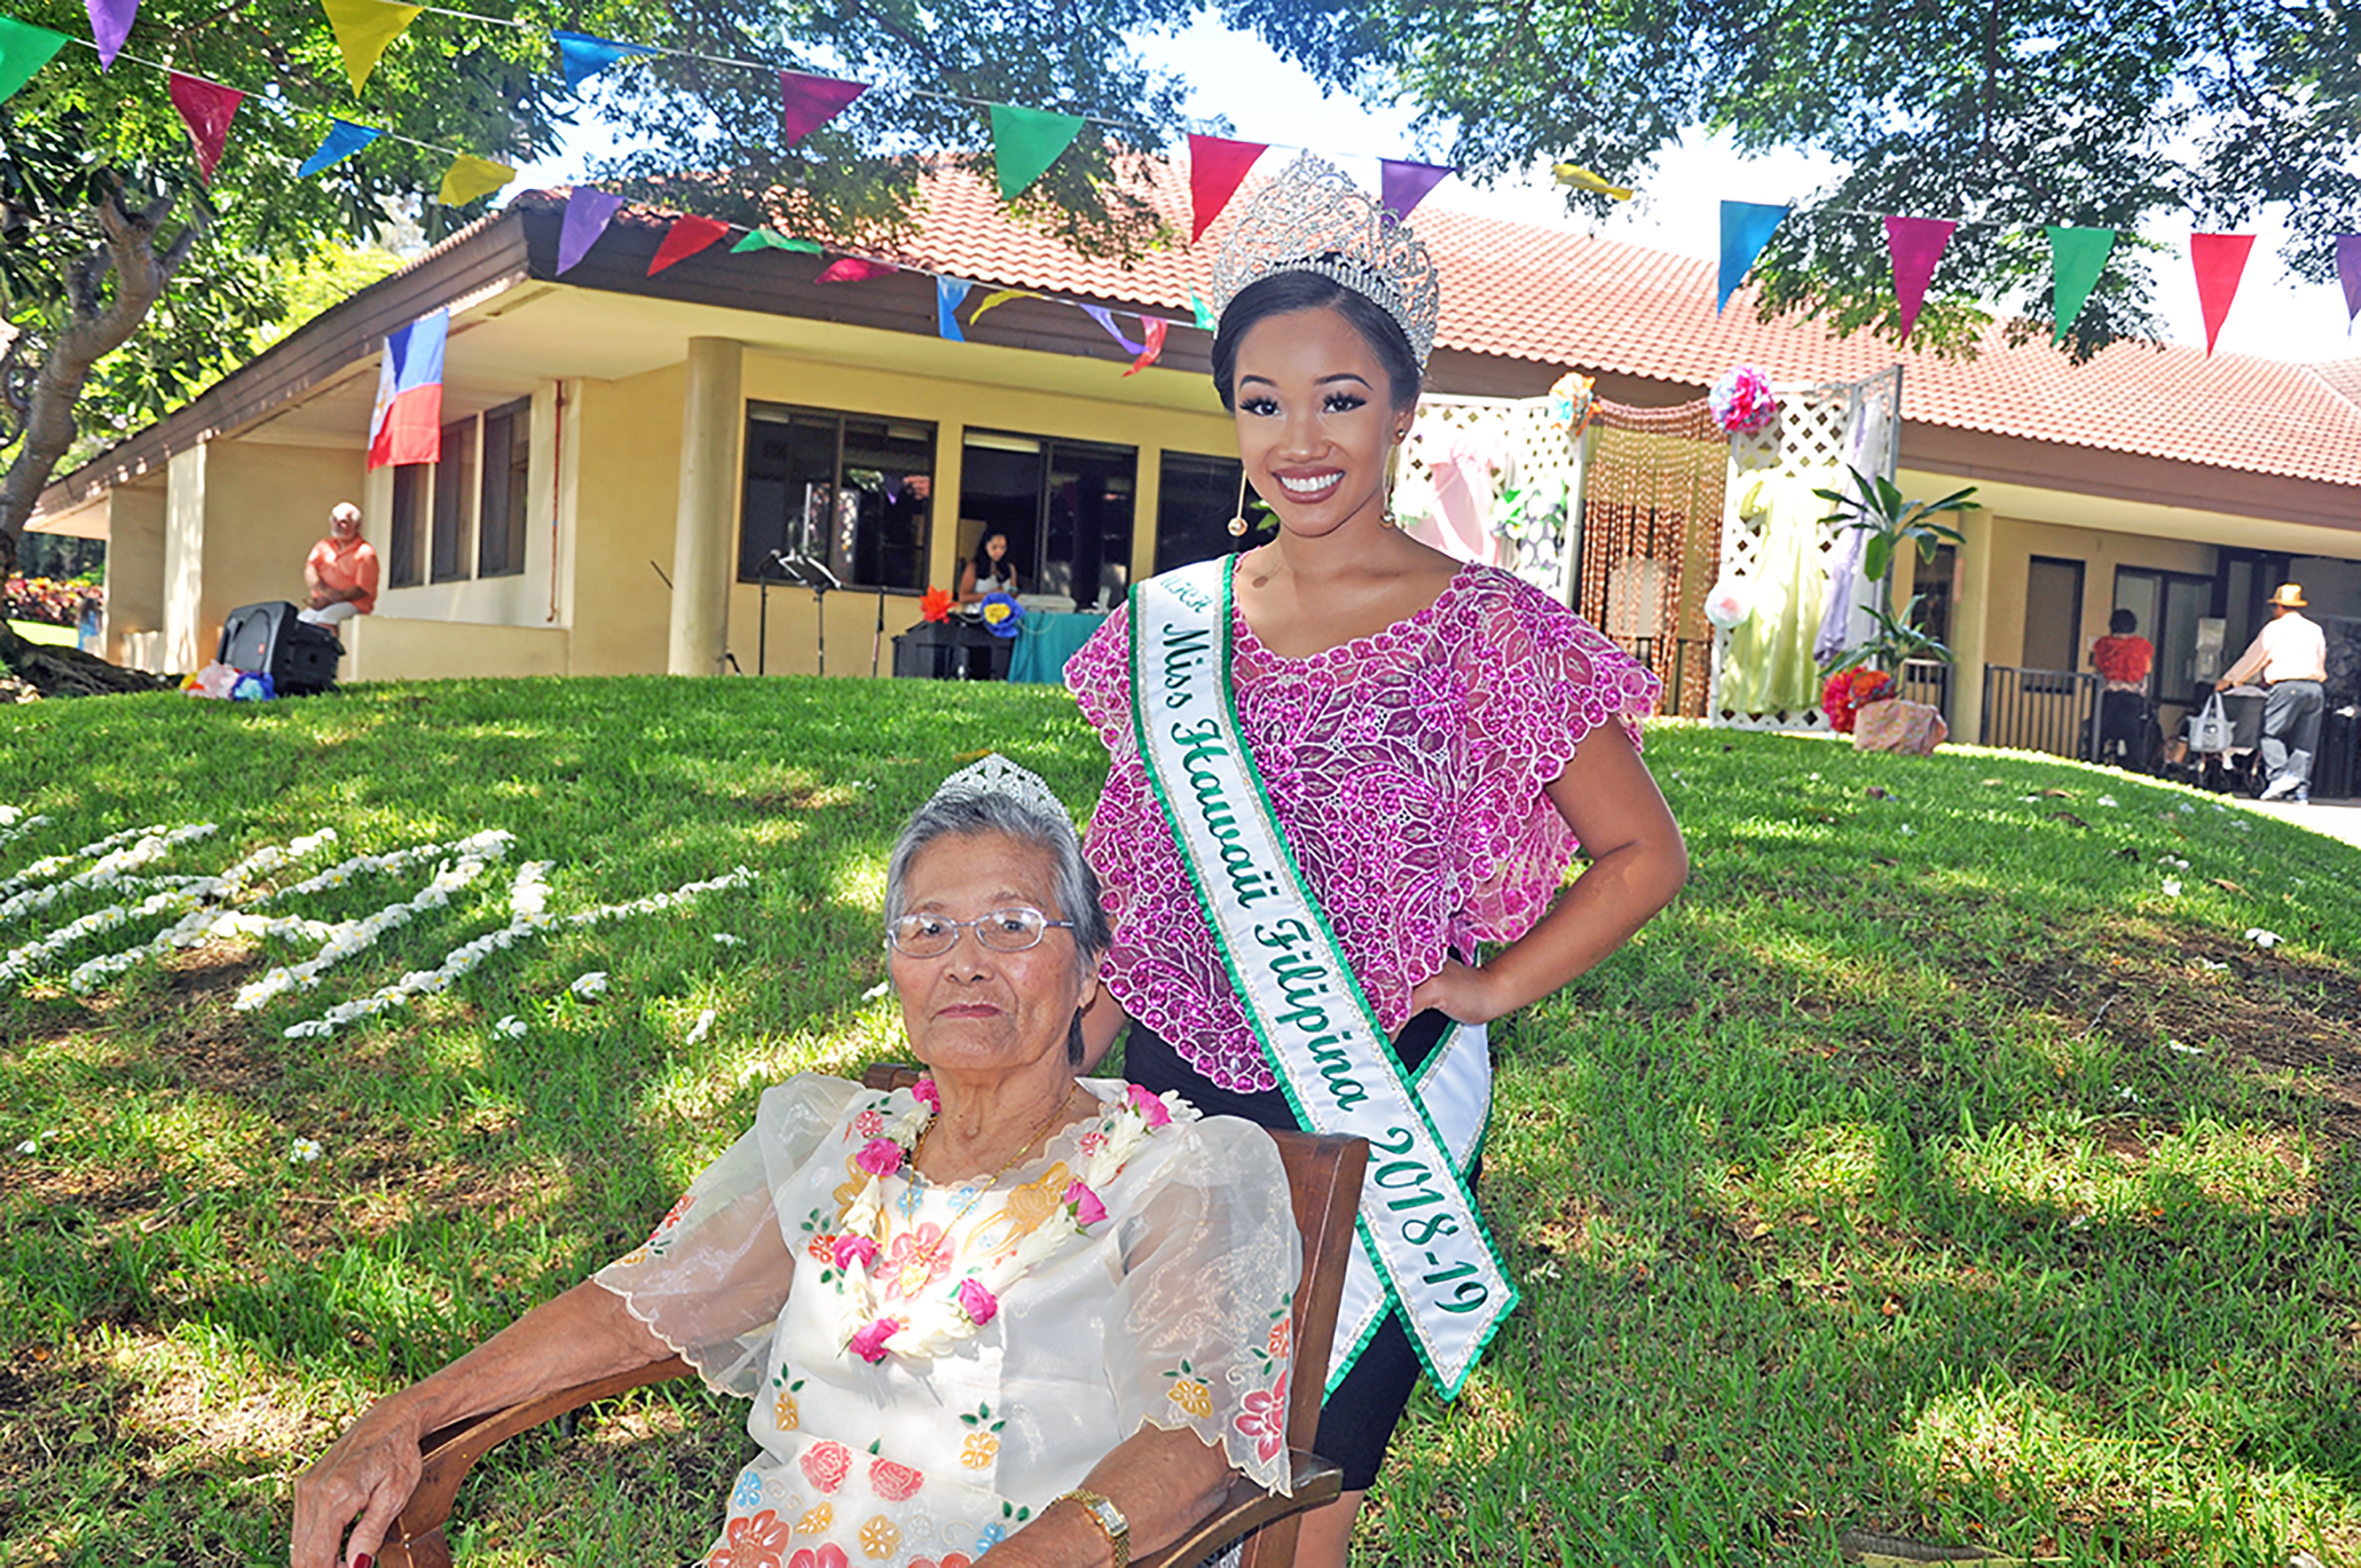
x: 1847, y: 692
x: 935, y: 605
x: 758, y: 1542
x: 1266, y: 1419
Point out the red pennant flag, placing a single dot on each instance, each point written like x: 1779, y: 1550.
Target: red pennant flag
x: 1916, y: 244
x: 686, y: 237
x: 853, y: 270
x: 1152, y: 328
x: 1215, y: 166
x: 2220, y: 260
x: 807, y: 103
x: 206, y: 108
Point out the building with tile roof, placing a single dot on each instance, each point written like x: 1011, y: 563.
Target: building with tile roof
x: 615, y: 429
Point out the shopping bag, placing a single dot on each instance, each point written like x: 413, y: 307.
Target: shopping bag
x: 2209, y: 728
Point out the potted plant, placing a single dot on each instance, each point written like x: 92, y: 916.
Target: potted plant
x: 1871, y: 670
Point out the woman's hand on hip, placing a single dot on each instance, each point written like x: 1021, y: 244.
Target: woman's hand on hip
x: 1461, y: 993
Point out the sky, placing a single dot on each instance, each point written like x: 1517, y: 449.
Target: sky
x: 1235, y: 75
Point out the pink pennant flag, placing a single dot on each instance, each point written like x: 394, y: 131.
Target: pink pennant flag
x: 110, y: 24
x: 853, y: 270
x: 2348, y: 272
x: 686, y: 236
x: 206, y: 108
x: 1152, y: 328
x: 1403, y: 186
x: 807, y: 103
x: 2219, y: 260
x: 1916, y: 244
x: 587, y: 214
x: 1215, y: 166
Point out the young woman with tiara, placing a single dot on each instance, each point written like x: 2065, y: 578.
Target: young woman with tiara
x: 1339, y: 762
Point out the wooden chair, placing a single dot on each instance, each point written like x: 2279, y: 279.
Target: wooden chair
x: 1323, y: 1175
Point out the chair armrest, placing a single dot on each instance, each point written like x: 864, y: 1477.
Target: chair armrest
x: 1248, y: 1508
x: 446, y: 1456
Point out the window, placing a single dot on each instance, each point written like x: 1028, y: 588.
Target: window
x: 1196, y: 498
x: 455, y: 486
x: 851, y: 491
x: 2167, y: 606
x: 411, y: 482
x: 1068, y: 508
x: 507, y: 463
x: 2053, y: 615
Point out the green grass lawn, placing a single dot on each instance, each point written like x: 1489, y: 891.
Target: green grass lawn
x: 1930, y: 1169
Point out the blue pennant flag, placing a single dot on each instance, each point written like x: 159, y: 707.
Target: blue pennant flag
x: 950, y: 294
x: 1745, y: 229
x: 584, y: 56
x: 343, y: 140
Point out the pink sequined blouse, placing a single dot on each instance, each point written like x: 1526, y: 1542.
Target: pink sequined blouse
x: 1408, y: 770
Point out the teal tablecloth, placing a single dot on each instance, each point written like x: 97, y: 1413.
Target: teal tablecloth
x: 1044, y: 641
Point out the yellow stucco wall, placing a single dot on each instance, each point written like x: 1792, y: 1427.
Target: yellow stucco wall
x: 515, y: 599
x: 135, y: 564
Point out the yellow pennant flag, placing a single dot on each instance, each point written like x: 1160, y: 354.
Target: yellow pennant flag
x: 1583, y: 179
x: 363, y: 30
x: 1000, y: 297
x: 470, y: 177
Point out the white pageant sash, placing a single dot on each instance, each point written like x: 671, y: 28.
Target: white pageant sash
x: 1419, y: 1224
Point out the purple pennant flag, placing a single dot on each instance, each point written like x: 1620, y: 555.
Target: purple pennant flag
x: 110, y: 24
x: 1404, y: 185
x: 2348, y: 272
x: 807, y: 103
x: 587, y: 215
x: 1106, y: 318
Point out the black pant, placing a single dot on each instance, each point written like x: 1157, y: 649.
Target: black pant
x: 1358, y: 1418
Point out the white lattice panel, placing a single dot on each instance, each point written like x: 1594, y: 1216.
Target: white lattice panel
x: 1839, y: 424
x: 1522, y: 471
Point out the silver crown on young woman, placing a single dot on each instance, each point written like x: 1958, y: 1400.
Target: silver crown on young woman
x: 996, y: 775
x: 1312, y: 218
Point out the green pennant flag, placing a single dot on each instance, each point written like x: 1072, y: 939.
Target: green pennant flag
x: 768, y: 239
x: 24, y: 50
x: 1026, y: 142
x: 2076, y: 256
x: 1202, y: 311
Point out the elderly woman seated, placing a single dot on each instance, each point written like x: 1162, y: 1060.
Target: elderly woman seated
x: 1008, y: 1310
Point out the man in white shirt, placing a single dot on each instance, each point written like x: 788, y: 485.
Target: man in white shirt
x: 2291, y: 656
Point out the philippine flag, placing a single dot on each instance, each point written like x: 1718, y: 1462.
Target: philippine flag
x: 406, y: 425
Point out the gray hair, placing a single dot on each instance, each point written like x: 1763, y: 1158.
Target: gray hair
x: 1075, y: 885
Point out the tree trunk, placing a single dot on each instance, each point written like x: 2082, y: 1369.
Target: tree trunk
x: 97, y: 327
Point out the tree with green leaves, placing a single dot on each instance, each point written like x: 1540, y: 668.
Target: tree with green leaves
x: 131, y: 283
x: 2007, y: 115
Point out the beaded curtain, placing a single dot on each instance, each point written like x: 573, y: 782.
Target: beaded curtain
x: 1651, y: 526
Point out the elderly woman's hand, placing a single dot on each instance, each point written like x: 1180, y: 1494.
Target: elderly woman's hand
x: 366, y: 1477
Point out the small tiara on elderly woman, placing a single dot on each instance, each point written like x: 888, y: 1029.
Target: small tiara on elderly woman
x: 996, y: 775
x: 1312, y: 218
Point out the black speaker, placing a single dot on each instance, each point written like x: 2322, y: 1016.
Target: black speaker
x: 267, y: 638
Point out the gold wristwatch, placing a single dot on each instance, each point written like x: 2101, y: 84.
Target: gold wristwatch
x: 1109, y: 1520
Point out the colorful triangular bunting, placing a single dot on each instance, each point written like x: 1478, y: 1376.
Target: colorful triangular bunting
x: 853, y: 270
x: 2076, y: 256
x: 999, y: 297
x: 469, y: 177
x: 807, y: 103
x: 686, y: 236
x: 770, y: 239
x: 206, y: 108
x: 2348, y: 272
x: 2219, y: 260
x: 1916, y: 245
x: 110, y: 24
x: 1153, y: 328
x: 1106, y: 318
x: 588, y: 211
x: 581, y: 56
x: 1202, y: 312
x: 343, y: 140
x: 1215, y: 166
x: 950, y: 294
x: 1745, y: 229
x: 1026, y: 142
x: 24, y: 50
x: 363, y: 28
x: 1403, y: 186
x: 1582, y: 179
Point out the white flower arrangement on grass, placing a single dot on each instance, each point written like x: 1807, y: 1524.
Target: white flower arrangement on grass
x: 116, y: 858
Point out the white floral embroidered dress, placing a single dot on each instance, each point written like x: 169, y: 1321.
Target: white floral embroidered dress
x: 1171, y: 1310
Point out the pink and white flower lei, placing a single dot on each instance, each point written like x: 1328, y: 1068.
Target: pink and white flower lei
x: 940, y: 1320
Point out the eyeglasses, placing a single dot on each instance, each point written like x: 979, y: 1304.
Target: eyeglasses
x: 1004, y: 931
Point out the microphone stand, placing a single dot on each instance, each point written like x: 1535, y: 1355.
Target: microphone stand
x: 816, y: 575
x: 877, y: 645
x: 762, y: 621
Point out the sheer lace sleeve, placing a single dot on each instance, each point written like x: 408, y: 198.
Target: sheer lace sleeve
x: 711, y: 1278
x: 1200, y: 1337
x: 1100, y: 677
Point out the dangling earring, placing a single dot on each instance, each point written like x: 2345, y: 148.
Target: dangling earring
x: 1238, y: 520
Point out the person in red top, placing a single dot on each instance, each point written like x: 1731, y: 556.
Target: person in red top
x: 2122, y: 659
x: 340, y: 572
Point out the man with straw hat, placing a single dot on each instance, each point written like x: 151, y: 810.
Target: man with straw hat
x: 2291, y: 656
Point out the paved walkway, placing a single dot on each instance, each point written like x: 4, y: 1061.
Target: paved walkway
x: 2335, y: 819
